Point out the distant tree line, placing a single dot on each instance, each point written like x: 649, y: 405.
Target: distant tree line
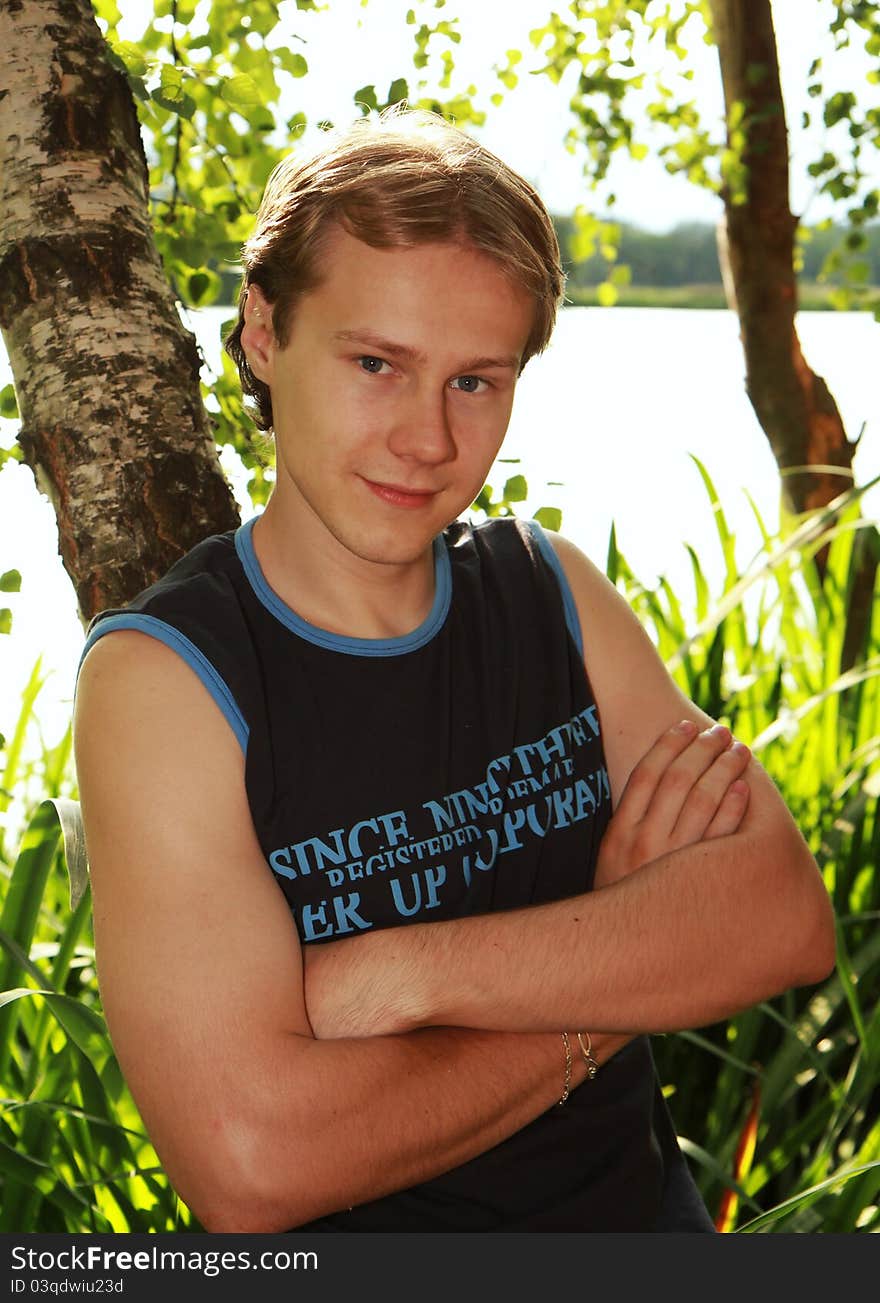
x: 685, y: 255
x: 688, y: 254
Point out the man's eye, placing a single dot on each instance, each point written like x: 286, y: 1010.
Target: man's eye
x: 469, y: 384
x: 372, y: 365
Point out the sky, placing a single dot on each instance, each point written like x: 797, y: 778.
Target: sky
x: 353, y: 44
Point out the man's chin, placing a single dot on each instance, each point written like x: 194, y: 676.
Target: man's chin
x: 401, y: 542
x: 390, y: 552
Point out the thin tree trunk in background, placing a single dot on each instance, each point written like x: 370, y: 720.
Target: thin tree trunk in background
x: 794, y: 406
x: 107, y: 378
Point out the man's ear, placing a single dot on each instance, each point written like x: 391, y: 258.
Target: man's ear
x: 258, y: 335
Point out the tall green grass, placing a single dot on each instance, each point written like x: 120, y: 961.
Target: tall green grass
x: 778, y: 1109
x: 764, y: 656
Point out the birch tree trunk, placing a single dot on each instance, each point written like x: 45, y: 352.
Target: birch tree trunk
x: 792, y: 403
x: 106, y: 376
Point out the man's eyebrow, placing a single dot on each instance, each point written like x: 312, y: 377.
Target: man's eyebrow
x: 369, y: 339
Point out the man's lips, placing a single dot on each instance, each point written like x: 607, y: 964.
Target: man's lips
x: 400, y: 496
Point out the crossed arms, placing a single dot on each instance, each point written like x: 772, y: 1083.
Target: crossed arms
x: 277, y: 1091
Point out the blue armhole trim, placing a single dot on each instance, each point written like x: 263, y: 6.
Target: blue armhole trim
x: 548, y: 552
x: 179, y: 643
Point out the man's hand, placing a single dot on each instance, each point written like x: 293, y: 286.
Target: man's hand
x: 687, y: 788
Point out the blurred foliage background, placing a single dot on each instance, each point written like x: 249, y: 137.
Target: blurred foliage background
x: 779, y: 1108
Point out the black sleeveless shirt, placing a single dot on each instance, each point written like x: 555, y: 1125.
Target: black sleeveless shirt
x: 458, y: 769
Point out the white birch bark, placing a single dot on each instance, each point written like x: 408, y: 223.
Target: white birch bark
x: 106, y: 375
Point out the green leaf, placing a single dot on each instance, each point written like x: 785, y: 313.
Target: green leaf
x: 295, y: 64
x: 85, y: 1028
x: 701, y: 587
x: 549, y: 518
x: 241, y: 92
x: 711, y: 1164
x: 8, y: 403
x: 73, y: 838
x: 10, y: 582
x: 107, y: 11
x: 613, y: 559
x: 22, y: 960
x: 203, y: 287
x: 181, y: 104
x: 27, y: 1171
x: 132, y: 56
x: 24, y: 890
x: 516, y: 489
x: 366, y: 98
x: 10, y: 454
x: 22, y: 1169
x: 170, y: 93
x: 5, y: 620
x: 805, y: 1197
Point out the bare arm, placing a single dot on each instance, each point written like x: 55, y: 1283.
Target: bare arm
x: 260, y: 1126
x: 706, y: 928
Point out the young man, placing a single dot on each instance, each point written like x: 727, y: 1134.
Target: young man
x: 418, y: 731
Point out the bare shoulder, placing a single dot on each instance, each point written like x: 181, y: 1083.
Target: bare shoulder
x: 153, y: 754
x: 138, y: 698
x: 637, y: 697
x: 162, y: 786
x: 195, y: 945
x: 608, y: 624
x: 605, y: 614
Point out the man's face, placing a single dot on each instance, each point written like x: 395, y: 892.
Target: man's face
x: 393, y: 394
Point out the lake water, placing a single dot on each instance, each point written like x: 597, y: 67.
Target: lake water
x: 603, y: 426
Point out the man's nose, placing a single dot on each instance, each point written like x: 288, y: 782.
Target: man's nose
x: 422, y: 429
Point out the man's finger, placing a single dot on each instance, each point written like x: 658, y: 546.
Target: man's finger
x: 646, y: 775
x: 731, y: 811
x: 675, y: 789
x: 707, y: 794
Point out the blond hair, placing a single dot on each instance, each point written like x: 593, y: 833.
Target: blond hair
x: 394, y: 180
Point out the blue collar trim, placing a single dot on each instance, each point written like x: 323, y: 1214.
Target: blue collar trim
x: 338, y: 642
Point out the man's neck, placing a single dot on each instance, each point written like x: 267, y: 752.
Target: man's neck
x: 331, y: 587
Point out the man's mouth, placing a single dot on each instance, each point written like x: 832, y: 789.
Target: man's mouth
x: 399, y: 495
